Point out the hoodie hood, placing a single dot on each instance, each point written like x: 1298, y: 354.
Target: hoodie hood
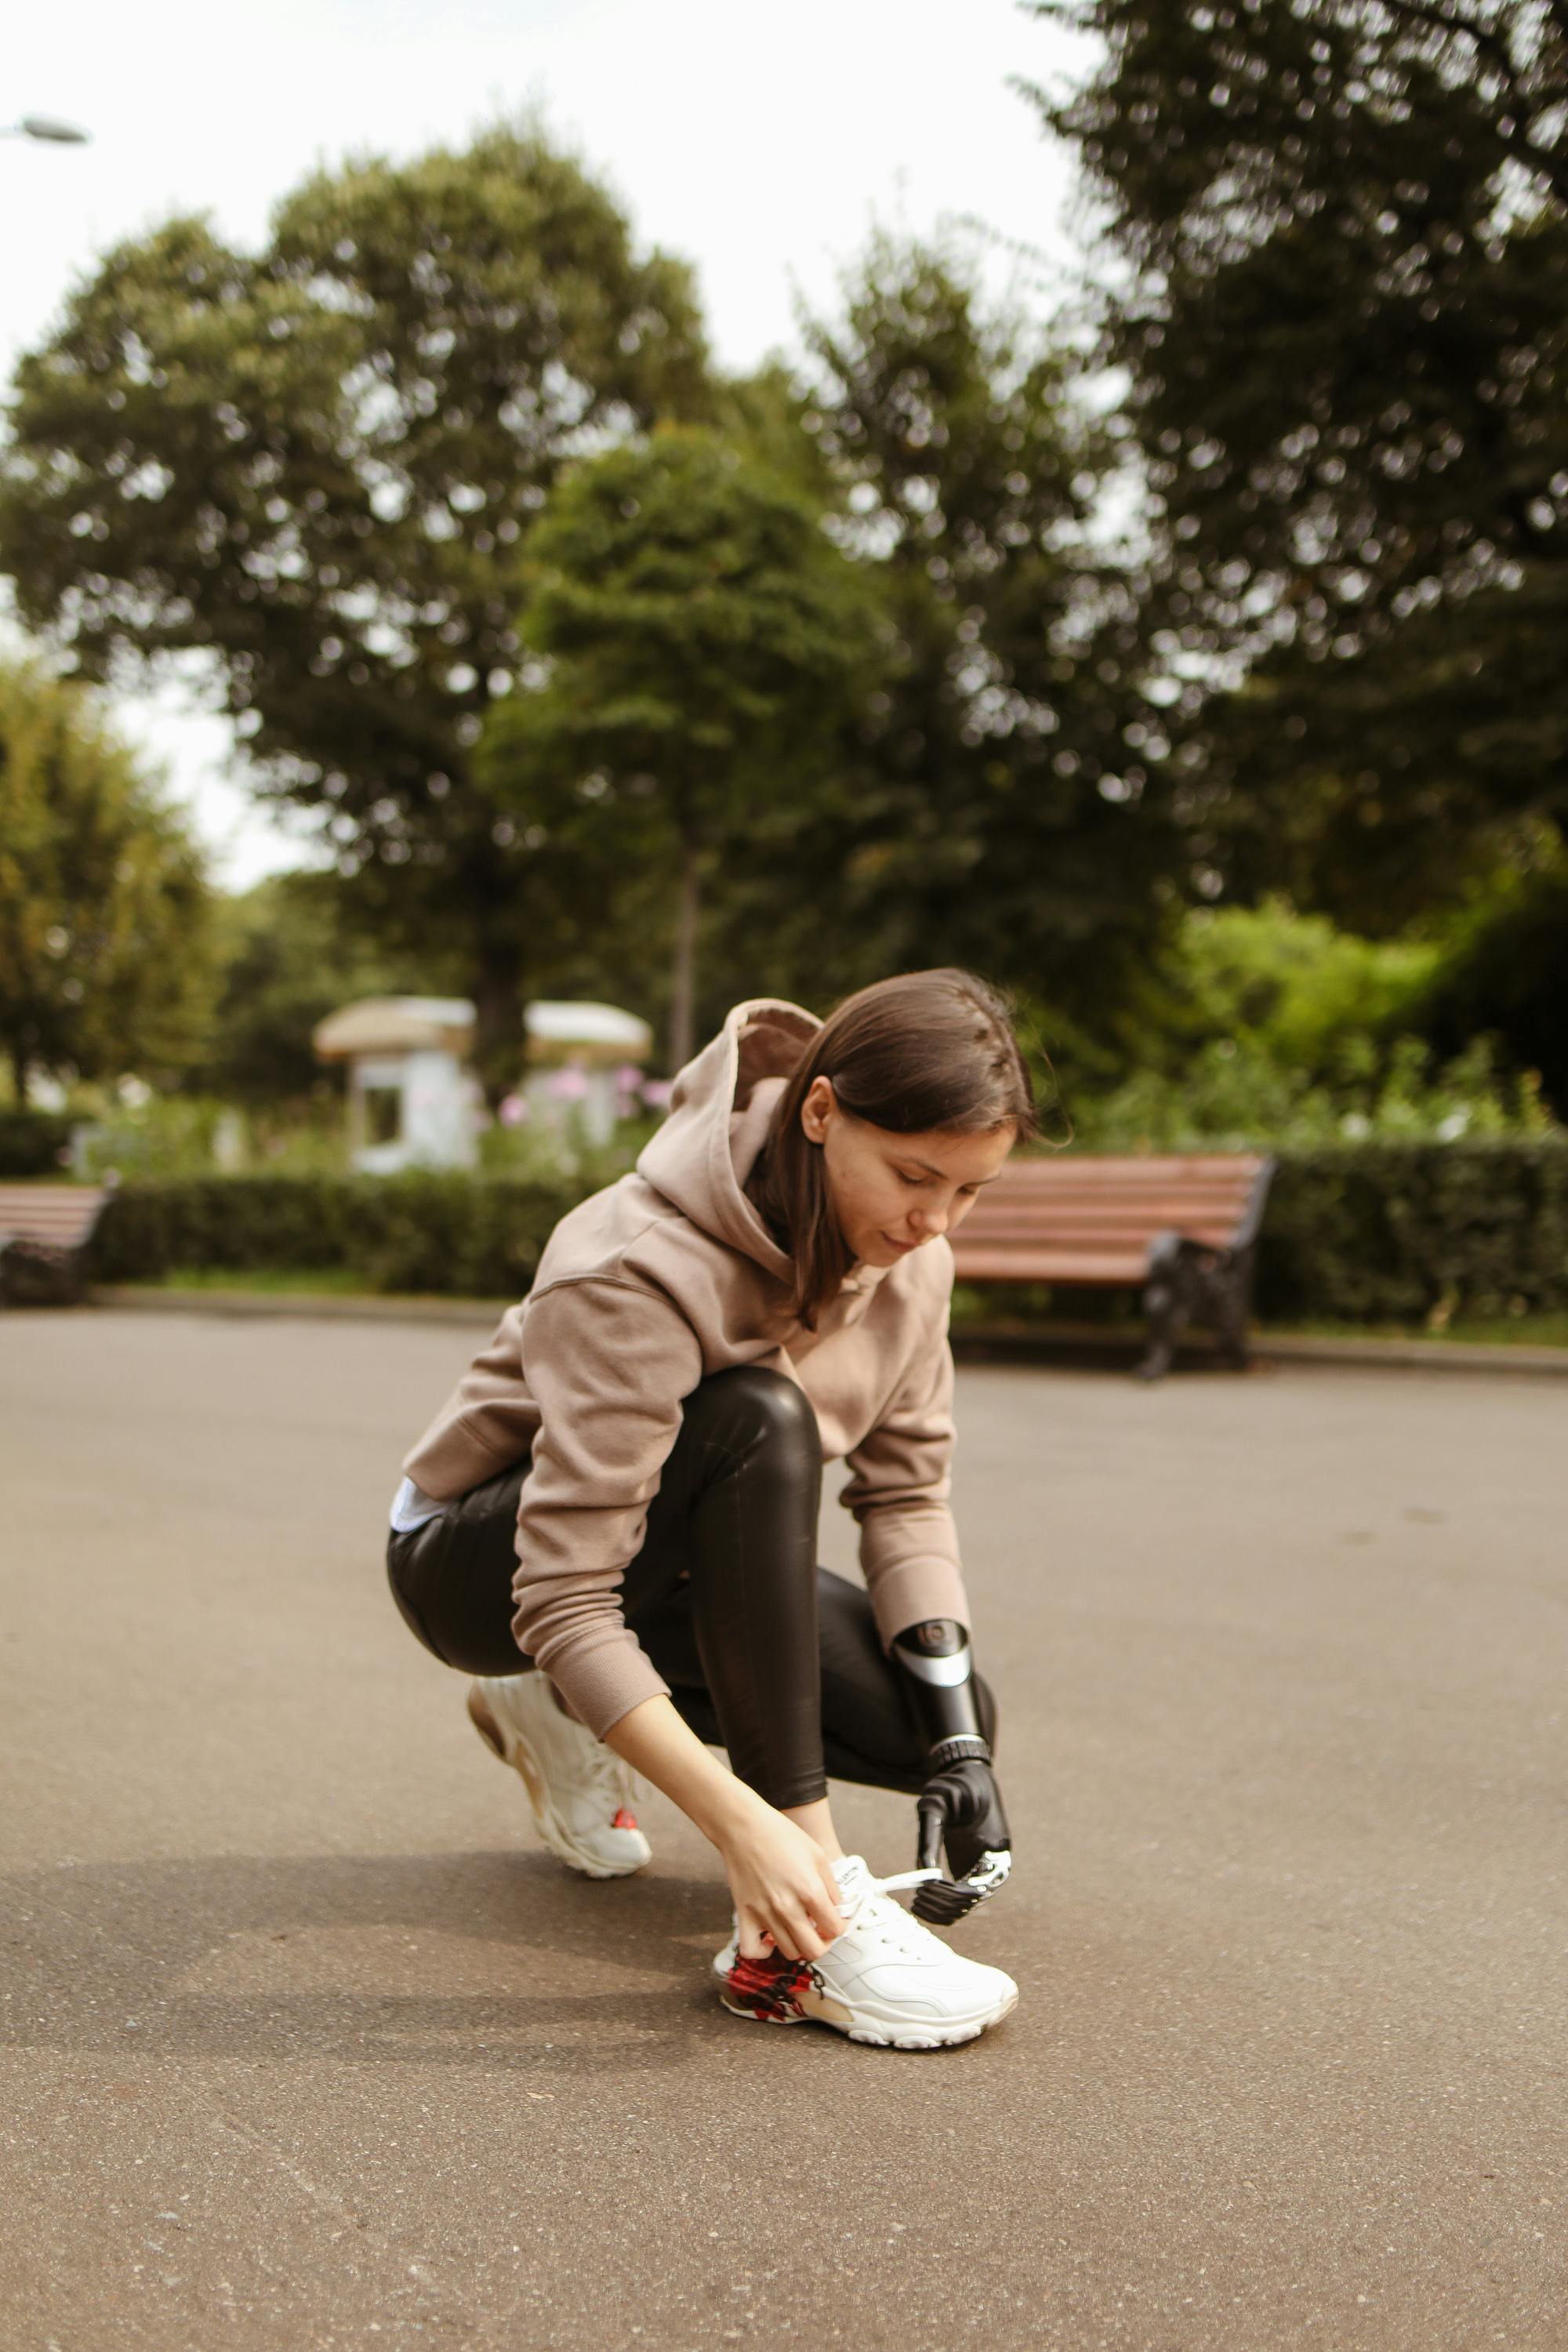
x: 720, y: 1108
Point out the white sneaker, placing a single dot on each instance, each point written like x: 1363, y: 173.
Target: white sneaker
x: 580, y: 1789
x: 886, y: 1978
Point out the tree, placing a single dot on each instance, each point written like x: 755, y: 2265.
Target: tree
x: 1287, y: 986
x: 290, y: 951
x: 1502, y: 972
x: 1340, y: 292
x: 701, y: 642
x: 1013, y: 813
x: 320, y: 465
x: 104, y: 903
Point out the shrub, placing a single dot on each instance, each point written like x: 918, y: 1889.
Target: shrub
x: 455, y: 1234
x: 1234, y: 1094
x: 1384, y: 1232
x: 1377, y: 1232
x: 33, y: 1142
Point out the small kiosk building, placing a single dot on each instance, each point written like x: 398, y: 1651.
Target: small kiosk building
x: 412, y: 1102
x: 578, y: 1056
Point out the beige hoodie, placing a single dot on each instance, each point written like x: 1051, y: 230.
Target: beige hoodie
x: 642, y: 1291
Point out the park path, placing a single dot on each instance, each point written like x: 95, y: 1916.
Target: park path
x: 307, y: 2044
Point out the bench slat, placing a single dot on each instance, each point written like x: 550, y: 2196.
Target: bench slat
x: 1145, y: 1204
x: 61, y: 1215
x: 1123, y: 1184
x: 1088, y: 1267
x: 1077, y: 1238
x: 1037, y: 1217
x: 1156, y: 1165
x: 1033, y: 1175
x: 49, y: 1213
x: 1105, y: 1205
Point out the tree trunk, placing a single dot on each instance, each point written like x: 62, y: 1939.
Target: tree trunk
x: 19, y: 1075
x: 683, y: 998
x: 498, y: 1041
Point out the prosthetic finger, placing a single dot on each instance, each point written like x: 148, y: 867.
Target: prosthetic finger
x: 932, y: 1815
x: 943, y: 1901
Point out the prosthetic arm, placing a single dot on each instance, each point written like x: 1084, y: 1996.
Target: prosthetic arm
x: 960, y: 1804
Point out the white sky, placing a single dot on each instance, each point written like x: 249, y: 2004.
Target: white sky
x: 760, y: 144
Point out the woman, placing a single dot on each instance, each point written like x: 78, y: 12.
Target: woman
x: 625, y: 1485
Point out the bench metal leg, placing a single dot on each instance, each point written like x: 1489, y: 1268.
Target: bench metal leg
x: 1231, y: 1286
x: 39, y: 1274
x: 1169, y: 1297
x: 1187, y: 1285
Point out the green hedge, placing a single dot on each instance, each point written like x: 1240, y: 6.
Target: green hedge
x: 33, y: 1142
x: 1384, y: 1232
x: 463, y: 1235
x: 1373, y: 1232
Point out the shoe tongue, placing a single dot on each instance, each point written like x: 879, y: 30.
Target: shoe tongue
x: 854, y: 1880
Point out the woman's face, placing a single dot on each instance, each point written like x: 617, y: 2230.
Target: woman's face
x: 892, y: 1192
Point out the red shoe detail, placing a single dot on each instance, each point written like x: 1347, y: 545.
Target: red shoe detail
x: 770, y: 1988
x: 624, y: 1820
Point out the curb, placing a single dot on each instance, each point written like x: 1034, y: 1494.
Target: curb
x: 312, y: 1306
x: 1068, y: 1343
x: 1419, y: 1355
x: 973, y: 1343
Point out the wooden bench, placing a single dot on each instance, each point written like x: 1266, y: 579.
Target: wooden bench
x: 44, y: 1233
x: 1183, y: 1229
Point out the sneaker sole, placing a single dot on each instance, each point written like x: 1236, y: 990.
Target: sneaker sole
x: 511, y: 1747
x: 882, y: 2033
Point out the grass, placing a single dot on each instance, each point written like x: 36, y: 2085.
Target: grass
x: 1023, y: 1308
x: 317, y: 1281
x: 1487, y: 1331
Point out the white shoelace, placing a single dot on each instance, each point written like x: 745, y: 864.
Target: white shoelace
x: 887, y: 1920
x: 611, y: 1776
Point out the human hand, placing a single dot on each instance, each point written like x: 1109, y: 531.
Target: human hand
x: 786, y: 1895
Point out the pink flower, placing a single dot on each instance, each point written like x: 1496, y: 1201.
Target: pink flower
x: 655, y: 1093
x: 512, y: 1110
x: 569, y: 1085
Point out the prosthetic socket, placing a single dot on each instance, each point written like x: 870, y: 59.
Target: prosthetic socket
x: 961, y: 1805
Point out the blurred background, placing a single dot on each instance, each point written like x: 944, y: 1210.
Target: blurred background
x: 520, y: 528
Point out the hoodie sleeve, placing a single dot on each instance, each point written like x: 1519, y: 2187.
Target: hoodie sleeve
x: 902, y: 1477
x: 609, y: 1365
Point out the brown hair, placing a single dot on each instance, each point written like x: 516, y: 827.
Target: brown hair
x: 924, y: 1052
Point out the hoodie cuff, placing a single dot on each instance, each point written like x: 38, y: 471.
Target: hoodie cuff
x: 601, y: 1680
x: 914, y: 1590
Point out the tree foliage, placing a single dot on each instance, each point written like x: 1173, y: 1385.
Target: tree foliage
x: 1340, y: 231
x: 1009, y: 812
x: 1264, y: 1028
x: 701, y: 645
x: 990, y: 791
x: 1291, y: 985
x: 287, y: 952
x: 103, y: 901
x: 1503, y: 972
x: 319, y: 464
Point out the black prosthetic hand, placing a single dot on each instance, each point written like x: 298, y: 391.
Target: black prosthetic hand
x: 960, y: 1804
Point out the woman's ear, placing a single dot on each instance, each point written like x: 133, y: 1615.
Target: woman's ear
x: 817, y: 1109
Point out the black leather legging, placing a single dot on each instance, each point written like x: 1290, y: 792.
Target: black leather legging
x: 766, y: 1655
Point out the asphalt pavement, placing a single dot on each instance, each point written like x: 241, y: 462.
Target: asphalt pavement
x: 307, y: 2042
